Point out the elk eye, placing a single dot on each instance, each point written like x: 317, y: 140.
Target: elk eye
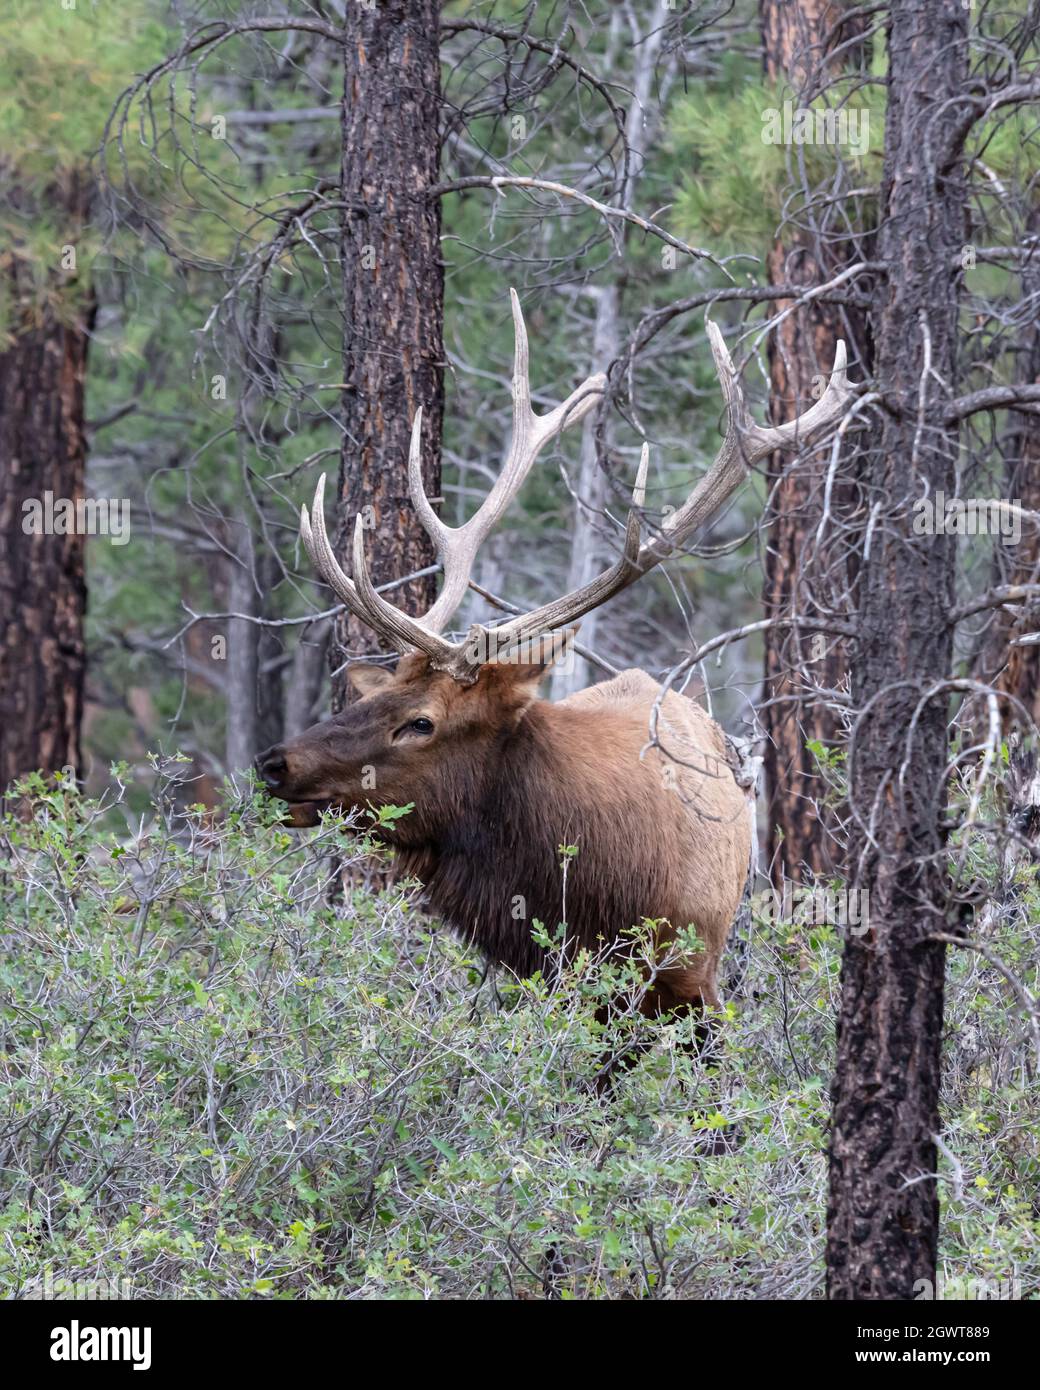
x: 421, y: 726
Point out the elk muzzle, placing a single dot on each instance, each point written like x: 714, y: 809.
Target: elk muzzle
x: 272, y: 768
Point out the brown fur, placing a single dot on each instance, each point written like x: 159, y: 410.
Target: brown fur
x: 505, y: 779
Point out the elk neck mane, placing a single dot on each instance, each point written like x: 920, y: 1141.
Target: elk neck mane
x: 562, y: 776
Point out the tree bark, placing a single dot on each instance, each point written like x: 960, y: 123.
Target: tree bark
x: 43, y: 590
x: 884, y: 1205
x: 798, y: 574
x: 393, y: 298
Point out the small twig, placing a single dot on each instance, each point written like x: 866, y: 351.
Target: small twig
x: 1028, y: 1003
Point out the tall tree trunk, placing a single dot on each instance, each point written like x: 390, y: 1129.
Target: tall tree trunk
x: 586, y: 541
x: 306, y: 678
x: 272, y: 660
x: 884, y: 1205
x: 795, y: 39
x: 393, y: 297
x: 241, y: 734
x: 43, y: 590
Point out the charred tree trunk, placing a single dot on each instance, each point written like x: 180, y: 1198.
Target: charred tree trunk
x: 884, y: 1204
x: 393, y: 297
x: 43, y: 590
x: 800, y: 574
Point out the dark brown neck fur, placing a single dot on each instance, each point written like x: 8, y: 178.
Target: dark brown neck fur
x: 494, y: 866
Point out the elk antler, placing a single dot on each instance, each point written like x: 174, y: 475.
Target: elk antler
x: 744, y: 444
x: 457, y: 547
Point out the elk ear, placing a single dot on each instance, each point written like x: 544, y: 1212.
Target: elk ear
x: 523, y: 667
x: 369, y: 680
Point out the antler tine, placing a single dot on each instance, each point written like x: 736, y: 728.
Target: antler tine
x: 620, y: 574
x: 532, y: 432
x: 634, y: 523
x: 827, y: 409
x: 432, y: 524
x: 387, y: 619
x: 359, y: 594
x: 457, y: 547
x: 639, y: 490
x: 316, y: 542
x: 744, y: 443
x: 729, y: 381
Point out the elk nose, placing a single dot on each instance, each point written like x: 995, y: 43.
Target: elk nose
x: 272, y: 767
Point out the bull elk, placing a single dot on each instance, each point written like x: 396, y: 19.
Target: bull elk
x: 500, y: 779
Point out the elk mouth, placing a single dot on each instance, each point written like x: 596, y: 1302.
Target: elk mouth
x: 303, y: 815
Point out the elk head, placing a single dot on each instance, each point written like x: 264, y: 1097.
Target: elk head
x: 423, y: 733
x: 416, y: 736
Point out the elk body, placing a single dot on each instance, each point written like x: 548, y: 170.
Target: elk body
x: 500, y: 779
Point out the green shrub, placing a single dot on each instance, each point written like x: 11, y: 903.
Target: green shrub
x: 220, y: 1080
